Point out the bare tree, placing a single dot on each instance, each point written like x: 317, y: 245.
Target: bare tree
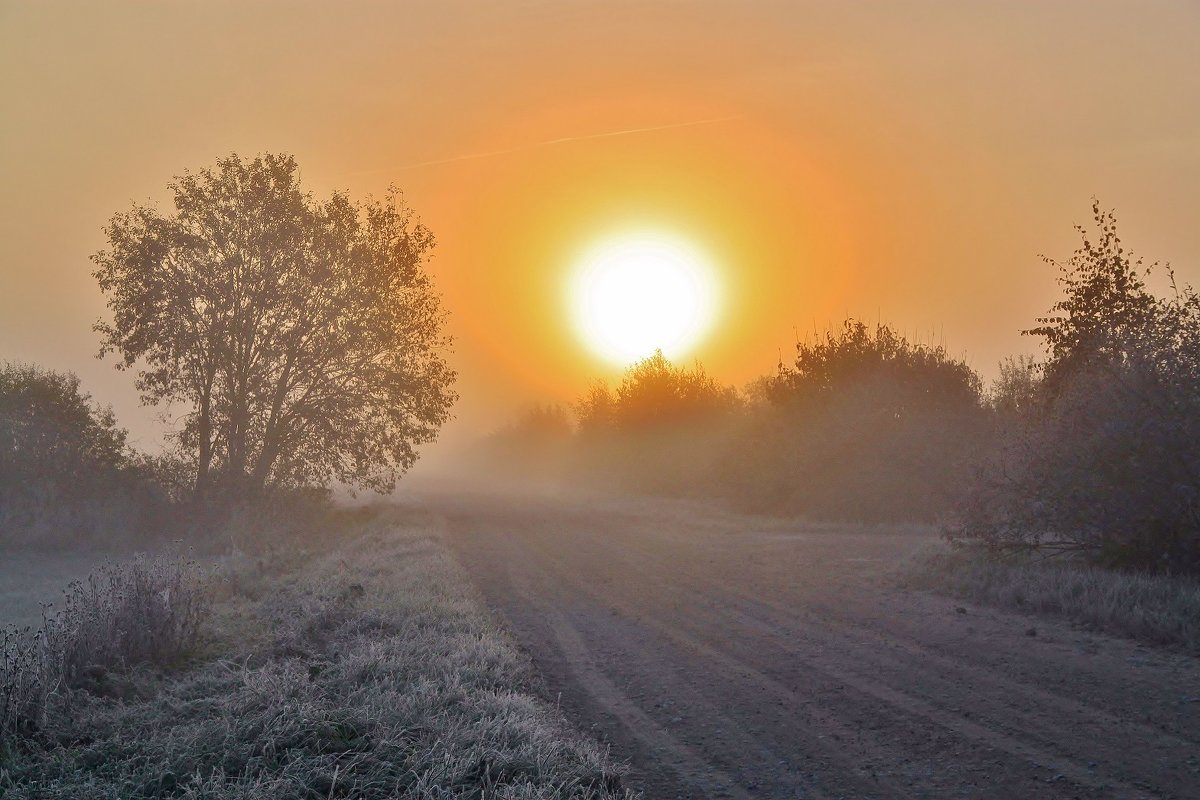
x: 304, y: 337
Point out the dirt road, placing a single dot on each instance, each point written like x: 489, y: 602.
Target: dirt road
x: 729, y: 656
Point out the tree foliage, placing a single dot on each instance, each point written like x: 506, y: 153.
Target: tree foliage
x: 660, y: 429
x: 303, y: 338
x: 898, y: 375
x: 1106, y: 462
x: 654, y: 393
x: 65, y: 467
x: 864, y: 424
x: 51, y: 432
x: 1106, y: 305
x: 1018, y: 387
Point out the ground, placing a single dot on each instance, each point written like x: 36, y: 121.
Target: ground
x: 742, y: 657
x: 356, y: 663
x: 730, y: 656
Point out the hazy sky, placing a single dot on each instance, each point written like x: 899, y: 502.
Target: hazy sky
x: 901, y: 161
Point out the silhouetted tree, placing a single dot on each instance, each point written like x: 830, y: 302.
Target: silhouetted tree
x: 1107, y: 461
x: 896, y: 375
x: 304, y: 337
x: 659, y: 430
x: 595, y: 410
x: 655, y: 393
x: 1105, y: 307
x: 49, y: 430
x: 862, y: 425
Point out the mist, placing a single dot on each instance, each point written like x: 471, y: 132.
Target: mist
x: 599, y: 401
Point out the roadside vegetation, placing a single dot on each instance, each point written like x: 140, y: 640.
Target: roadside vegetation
x: 144, y: 614
x: 1102, y: 455
x: 362, y: 667
x: 1156, y: 609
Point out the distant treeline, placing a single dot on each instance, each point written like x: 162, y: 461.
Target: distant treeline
x: 1094, y: 448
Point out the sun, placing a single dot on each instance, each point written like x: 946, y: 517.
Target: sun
x: 634, y: 293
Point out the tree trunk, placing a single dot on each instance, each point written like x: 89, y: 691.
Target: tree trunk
x: 204, y: 462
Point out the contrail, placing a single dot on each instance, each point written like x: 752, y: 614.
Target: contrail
x: 564, y: 140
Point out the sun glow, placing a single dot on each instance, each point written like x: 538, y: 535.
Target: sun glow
x: 635, y: 293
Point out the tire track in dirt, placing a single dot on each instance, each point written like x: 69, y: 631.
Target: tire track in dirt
x: 636, y: 606
x: 693, y: 770
x: 838, y: 670
x: 869, y: 640
x: 1044, y: 719
x: 816, y: 729
x: 813, y: 730
x: 1014, y: 709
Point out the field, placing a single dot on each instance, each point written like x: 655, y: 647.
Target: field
x: 719, y: 654
x: 362, y: 667
x: 734, y: 656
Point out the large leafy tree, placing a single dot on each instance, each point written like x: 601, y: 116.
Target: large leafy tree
x: 1103, y: 458
x: 303, y: 338
x: 863, y: 424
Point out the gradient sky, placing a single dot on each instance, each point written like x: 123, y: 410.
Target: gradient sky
x: 900, y: 161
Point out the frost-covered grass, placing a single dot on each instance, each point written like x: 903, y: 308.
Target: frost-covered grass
x: 366, y: 669
x: 1152, y: 608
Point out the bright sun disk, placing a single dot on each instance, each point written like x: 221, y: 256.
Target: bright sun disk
x: 635, y: 293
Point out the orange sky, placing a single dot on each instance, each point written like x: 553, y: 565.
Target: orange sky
x: 902, y: 161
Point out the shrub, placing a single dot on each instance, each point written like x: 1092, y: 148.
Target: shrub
x: 1107, y: 462
x: 863, y: 425
x: 147, y: 612
x: 1110, y: 469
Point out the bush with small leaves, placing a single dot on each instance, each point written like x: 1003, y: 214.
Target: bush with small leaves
x: 1107, y: 461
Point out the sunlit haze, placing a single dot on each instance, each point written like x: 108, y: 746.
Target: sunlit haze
x: 897, y: 162
x: 600, y: 399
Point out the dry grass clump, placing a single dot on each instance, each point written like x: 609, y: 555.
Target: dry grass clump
x: 146, y: 612
x: 1157, y: 609
x: 368, y: 671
